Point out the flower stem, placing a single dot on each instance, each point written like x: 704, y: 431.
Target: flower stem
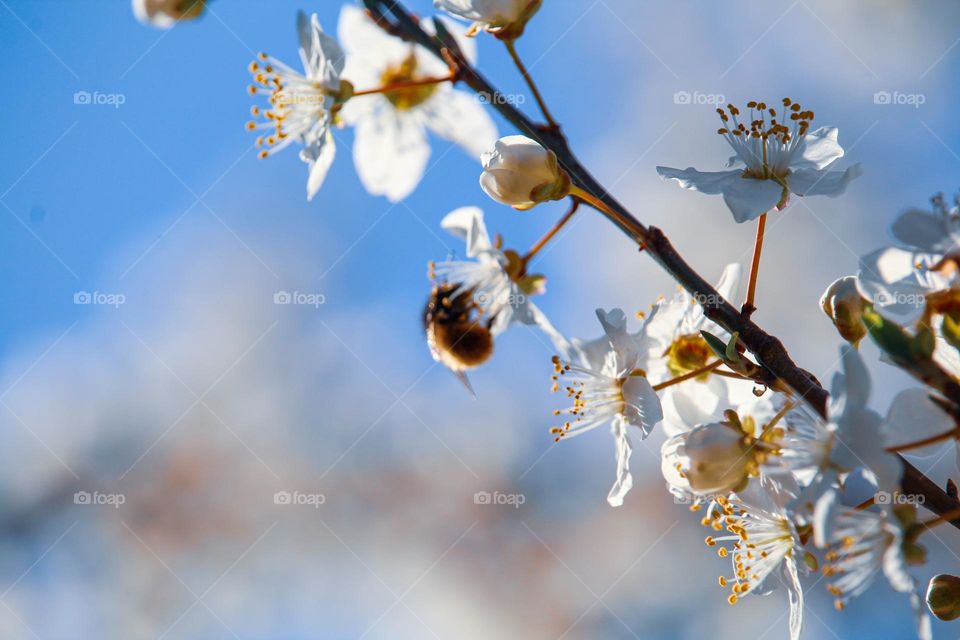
x: 409, y: 84
x: 755, y: 265
x: 548, y: 236
x: 949, y: 435
x: 688, y: 376
x: 639, y: 233
x: 512, y: 49
x: 953, y: 514
x: 731, y: 374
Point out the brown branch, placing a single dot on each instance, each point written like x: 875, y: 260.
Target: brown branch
x: 767, y: 349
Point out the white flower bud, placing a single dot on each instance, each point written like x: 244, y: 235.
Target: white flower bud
x: 521, y: 173
x: 165, y: 13
x: 843, y: 303
x: 506, y: 19
x: 712, y: 458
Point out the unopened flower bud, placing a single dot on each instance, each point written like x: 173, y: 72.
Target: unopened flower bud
x: 165, y: 13
x: 943, y: 596
x: 713, y: 458
x: 843, y: 303
x: 521, y: 173
x: 506, y: 19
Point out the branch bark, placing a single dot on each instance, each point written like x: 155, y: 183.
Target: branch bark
x: 768, y: 350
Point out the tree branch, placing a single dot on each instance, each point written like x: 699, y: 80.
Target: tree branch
x: 767, y: 349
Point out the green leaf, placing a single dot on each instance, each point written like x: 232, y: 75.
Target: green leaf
x: 904, y: 349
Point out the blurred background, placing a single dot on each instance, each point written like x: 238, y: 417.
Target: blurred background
x: 183, y: 458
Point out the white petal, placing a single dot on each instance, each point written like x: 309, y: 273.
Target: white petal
x: 459, y: 117
x: 624, y: 481
x: 748, y: 198
x: 709, y: 182
x: 390, y: 153
x: 890, y: 279
x: 920, y: 616
x: 362, y: 38
x: 923, y: 230
x: 560, y: 343
x: 320, y: 156
x: 467, y: 224
x: 319, y: 52
x: 851, y: 389
x: 795, y: 595
x: 691, y: 403
x: 811, y: 182
x: 826, y: 506
x: 643, y: 408
x: 614, y: 323
x: 913, y: 416
x: 818, y: 149
x: 729, y: 284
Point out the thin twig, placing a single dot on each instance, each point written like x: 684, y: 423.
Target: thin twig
x: 512, y: 49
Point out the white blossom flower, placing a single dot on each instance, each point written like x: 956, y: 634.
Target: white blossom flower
x: 521, y: 173
x: 784, y: 438
x: 852, y: 437
x: 864, y: 543
x: 497, y: 278
x: 763, y: 542
x: 605, y: 380
x: 300, y: 103
x: 677, y: 348
x: 390, y: 149
x: 772, y: 161
x: 504, y: 18
x: 898, y: 279
x: 166, y: 13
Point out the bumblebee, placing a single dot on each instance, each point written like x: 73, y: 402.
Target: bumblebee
x: 458, y: 337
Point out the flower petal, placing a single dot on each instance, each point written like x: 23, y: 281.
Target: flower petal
x: 729, y: 284
x: 811, y: 182
x: 923, y: 230
x: 390, y: 152
x: 362, y: 38
x: 319, y: 155
x: 818, y: 149
x: 889, y: 278
x: 642, y: 406
x: 795, y: 596
x: 624, y: 481
x: 693, y: 403
x: 459, y: 117
x: 913, y: 416
x: 320, y: 52
x: 709, y: 182
x: 467, y: 224
x: 748, y: 198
